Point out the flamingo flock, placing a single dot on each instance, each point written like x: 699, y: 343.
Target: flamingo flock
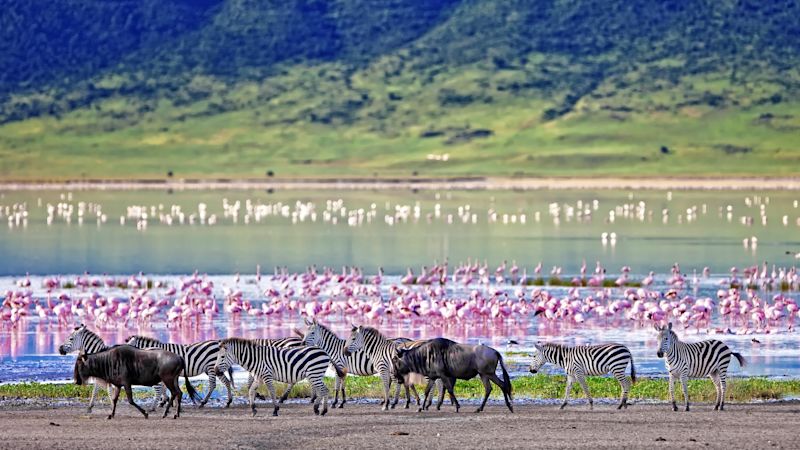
x: 755, y: 300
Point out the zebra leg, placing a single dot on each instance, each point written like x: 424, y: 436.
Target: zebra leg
x: 212, y: 384
x: 114, y: 402
x: 625, y: 383
x: 672, y: 391
x: 487, y: 387
x: 567, y: 391
x: 156, y: 399
x: 715, y: 379
x: 344, y: 379
x: 386, y: 376
x: 251, y: 393
x: 722, y: 388
x: 685, y: 386
x: 94, y: 395
x: 271, y: 389
x: 228, y: 386
x: 322, y: 393
x: 287, y: 392
x: 397, y: 394
x: 585, y: 386
x: 250, y: 380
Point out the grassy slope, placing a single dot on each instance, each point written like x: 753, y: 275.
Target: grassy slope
x: 564, y: 87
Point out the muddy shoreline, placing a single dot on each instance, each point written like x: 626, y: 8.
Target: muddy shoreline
x: 458, y: 183
x: 771, y: 425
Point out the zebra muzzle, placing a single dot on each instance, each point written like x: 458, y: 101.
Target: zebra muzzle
x: 660, y: 354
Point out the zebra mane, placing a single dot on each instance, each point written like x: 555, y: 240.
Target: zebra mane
x: 325, y: 330
x: 90, y: 333
x: 373, y: 332
x: 146, y: 339
x: 238, y: 340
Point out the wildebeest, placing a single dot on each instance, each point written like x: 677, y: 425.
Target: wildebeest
x: 124, y: 366
x: 447, y: 360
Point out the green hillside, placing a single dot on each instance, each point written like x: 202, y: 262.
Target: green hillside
x: 236, y: 88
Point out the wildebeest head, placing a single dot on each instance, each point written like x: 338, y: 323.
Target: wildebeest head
x: 665, y: 339
x: 74, y: 341
x: 313, y: 333
x: 538, y: 360
x: 81, y: 369
x: 355, y: 341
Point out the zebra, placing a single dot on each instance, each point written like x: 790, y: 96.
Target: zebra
x: 200, y: 358
x: 289, y: 365
x: 580, y: 361
x: 699, y: 359
x: 356, y: 363
x: 287, y: 342
x: 84, y: 340
x: 380, y: 351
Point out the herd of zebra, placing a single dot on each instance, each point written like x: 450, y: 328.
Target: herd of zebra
x: 439, y: 362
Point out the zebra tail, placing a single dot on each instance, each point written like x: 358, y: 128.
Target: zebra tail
x: 341, y: 373
x: 230, y: 377
x: 189, y: 388
x: 633, y: 372
x: 742, y: 361
x: 506, y: 378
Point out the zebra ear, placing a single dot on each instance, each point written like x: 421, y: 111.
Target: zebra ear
x: 657, y: 327
x: 670, y: 325
x: 307, y: 322
x: 538, y: 346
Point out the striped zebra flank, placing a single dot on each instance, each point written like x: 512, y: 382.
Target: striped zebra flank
x: 286, y: 342
x: 86, y: 341
x: 380, y: 351
x: 695, y: 360
x: 200, y: 358
x: 268, y: 364
x: 587, y: 360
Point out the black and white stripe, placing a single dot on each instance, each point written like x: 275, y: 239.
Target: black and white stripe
x: 200, y: 359
x: 287, y: 342
x: 268, y: 364
x: 356, y: 363
x: 84, y: 340
x: 695, y: 360
x: 586, y: 360
x: 380, y: 352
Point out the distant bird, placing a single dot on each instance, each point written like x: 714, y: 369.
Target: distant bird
x: 512, y: 342
x: 796, y: 255
x: 755, y: 341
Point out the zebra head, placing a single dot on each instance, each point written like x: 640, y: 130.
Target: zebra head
x: 74, y: 341
x: 666, y: 338
x: 538, y: 359
x: 355, y: 341
x: 313, y: 334
x: 224, y: 358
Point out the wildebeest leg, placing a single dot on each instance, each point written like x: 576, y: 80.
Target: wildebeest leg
x: 114, y: 402
x: 567, y: 391
x: 129, y: 394
x: 176, y: 394
x: 449, y: 384
x: 169, y: 403
x: 426, y: 399
x: 494, y: 378
x: 416, y: 396
x: 487, y: 389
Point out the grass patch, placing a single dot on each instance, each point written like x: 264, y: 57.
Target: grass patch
x: 538, y: 387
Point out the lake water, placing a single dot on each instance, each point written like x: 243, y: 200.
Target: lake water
x: 168, y: 236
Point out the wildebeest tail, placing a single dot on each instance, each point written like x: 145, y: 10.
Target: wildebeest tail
x: 189, y: 388
x: 742, y: 361
x: 633, y: 372
x: 506, y: 378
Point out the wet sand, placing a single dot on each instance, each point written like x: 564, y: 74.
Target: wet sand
x: 775, y: 425
x: 459, y: 183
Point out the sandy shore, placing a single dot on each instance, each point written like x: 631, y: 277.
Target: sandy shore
x: 466, y: 183
x: 365, y: 426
